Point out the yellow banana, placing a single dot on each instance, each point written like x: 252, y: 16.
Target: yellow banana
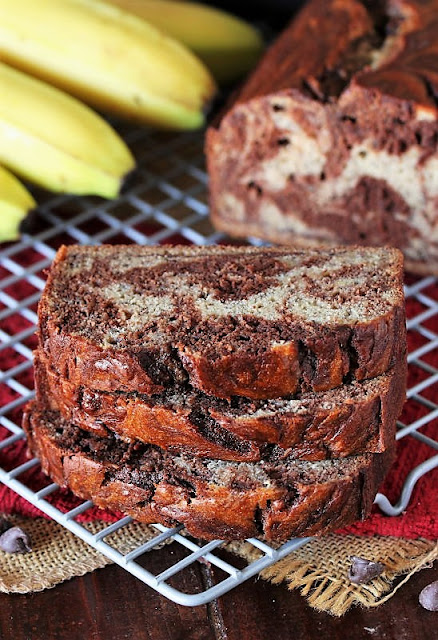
x: 107, y: 57
x: 54, y: 140
x: 228, y: 45
x: 15, y: 203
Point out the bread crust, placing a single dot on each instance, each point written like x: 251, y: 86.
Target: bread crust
x: 273, y: 508
x: 359, y: 418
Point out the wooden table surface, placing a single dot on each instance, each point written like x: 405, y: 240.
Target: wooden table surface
x: 110, y: 604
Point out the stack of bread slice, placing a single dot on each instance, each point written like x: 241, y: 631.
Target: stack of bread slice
x: 241, y: 391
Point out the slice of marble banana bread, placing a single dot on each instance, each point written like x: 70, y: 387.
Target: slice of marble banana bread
x: 212, y: 498
x: 355, y: 418
x: 254, y: 322
x: 333, y: 139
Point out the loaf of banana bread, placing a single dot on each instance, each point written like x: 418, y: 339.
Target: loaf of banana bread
x: 333, y: 139
x: 355, y: 418
x: 272, y: 499
x: 254, y: 322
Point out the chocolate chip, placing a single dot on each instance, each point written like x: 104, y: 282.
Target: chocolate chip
x: 362, y: 570
x: 4, y: 524
x: 429, y: 596
x: 15, y: 540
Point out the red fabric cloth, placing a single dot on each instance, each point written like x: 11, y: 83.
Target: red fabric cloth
x: 419, y: 520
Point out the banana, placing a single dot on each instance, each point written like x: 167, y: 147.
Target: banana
x: 229, y: 46
x: 15, y: 203
x: 107, y: 57
x: 55, y: 141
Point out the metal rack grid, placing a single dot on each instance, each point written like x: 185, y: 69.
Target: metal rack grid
x: 165, y: 202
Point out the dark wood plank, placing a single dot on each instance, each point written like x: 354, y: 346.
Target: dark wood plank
x: 257, y: 610
x: 110, y: 604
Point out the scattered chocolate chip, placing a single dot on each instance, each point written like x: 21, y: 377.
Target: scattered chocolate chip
x: 429, y: 596
x: 15, y: 540
x: 362, y: 570
x: 4, y: 525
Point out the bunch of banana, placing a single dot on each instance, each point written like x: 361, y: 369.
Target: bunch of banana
x: 107, y: 57
x: 55, y: 141
x: 228, y: 46
x: 129, y: 57
x: 15, y: 204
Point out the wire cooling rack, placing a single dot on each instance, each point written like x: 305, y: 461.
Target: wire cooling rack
x: 165, y: 202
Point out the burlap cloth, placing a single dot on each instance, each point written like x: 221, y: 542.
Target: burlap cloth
x: 318, y: 569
